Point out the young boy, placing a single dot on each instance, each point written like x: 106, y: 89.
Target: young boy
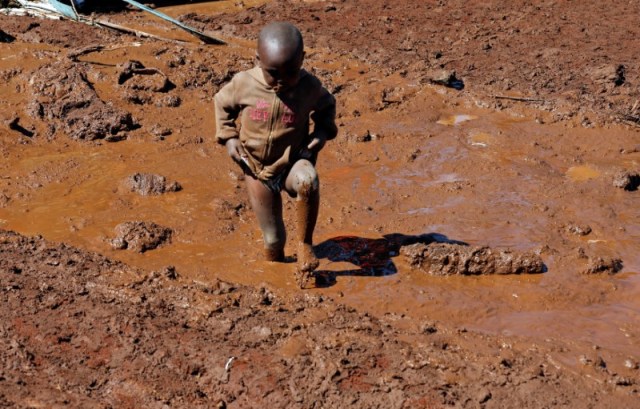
x: 273, y: 145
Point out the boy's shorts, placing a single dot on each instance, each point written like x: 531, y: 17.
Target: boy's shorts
x: 276, y: 184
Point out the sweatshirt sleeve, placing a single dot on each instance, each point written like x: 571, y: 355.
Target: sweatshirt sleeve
x: 324, y: 115
x: 227, y: 110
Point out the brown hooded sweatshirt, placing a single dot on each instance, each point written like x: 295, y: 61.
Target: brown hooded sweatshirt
x: 274, y: 128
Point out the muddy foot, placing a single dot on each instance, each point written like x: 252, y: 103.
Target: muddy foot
x: 307, y: 260
x: 274, y: 255
x: 303, y: 278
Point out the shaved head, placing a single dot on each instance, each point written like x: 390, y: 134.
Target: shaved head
x: 280, y: 54
x: 281, y: 41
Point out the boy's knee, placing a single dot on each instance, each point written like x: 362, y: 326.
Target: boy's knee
x: 306, y: 179
x: 308, y: 184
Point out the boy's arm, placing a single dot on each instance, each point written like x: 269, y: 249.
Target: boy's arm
x: 227, y: 111
x: 324, y: 120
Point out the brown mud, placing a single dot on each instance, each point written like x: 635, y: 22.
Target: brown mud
x: 512, y: 126
x: 87, y: 331
x: 448, y: 259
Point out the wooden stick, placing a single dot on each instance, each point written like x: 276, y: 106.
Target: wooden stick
x: 518, y: 98
x: 128, y: 30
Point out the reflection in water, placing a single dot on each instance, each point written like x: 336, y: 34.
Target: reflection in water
x: 456, y: 119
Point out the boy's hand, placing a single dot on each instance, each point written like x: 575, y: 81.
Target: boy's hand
x: 235, y: 150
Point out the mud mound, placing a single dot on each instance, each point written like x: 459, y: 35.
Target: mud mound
x: 146, y: 184
x: 65, y: 99
x: 142, y: 85
x: 450, y: 259
x: 140, y: 236
x: 6, y: 38
x: 627, y: 180
x: 600, y: 265
x: 82, y: 331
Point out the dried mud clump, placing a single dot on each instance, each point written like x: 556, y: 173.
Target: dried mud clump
x: 64, y: 98
x: 143, y: 83
x: 6, y: 38
x: 451, y: 259
x: 627, y: 180
x: 603, y: 265
x: 140, y: 236
x: 146, y: 184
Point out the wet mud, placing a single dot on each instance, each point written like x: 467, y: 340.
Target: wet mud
x: 88, y: 331
x: 462, y: 126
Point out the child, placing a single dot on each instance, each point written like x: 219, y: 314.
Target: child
x: 273, y: 144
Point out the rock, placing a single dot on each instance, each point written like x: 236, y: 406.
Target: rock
x: 450, y: 259
x: 4, y: 200
x: 599, y: 265
x: 579, y: 230
x: 150, y: 184
x: 140, y: 236
x: 627, y: 180
x: 609, y: 75
x: 446, y: 78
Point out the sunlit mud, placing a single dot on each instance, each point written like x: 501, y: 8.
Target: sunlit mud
x: 412, y: 159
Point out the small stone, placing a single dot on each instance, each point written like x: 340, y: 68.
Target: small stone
x: 627, y: 180
x: 579, y: 230
x: 631, y: 364
x: 484, y: 396
x: 599, y: 265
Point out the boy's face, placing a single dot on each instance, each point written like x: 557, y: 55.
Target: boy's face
x: 281, y: 71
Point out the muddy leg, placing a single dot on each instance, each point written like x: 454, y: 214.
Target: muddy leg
x: 267, y: 206
x: 302, y: 183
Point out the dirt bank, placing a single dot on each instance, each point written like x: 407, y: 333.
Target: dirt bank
x: 80, y: 330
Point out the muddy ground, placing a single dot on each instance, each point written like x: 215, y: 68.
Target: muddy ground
x: 512, y: 125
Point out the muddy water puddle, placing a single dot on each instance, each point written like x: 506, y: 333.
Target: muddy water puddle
x: 454, y: 171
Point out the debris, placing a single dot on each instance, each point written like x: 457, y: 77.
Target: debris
x: 521, y: 99
x: 451, y: 259
x: 227, y: 366
x: 205, y: 38
x: 56, y: 9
